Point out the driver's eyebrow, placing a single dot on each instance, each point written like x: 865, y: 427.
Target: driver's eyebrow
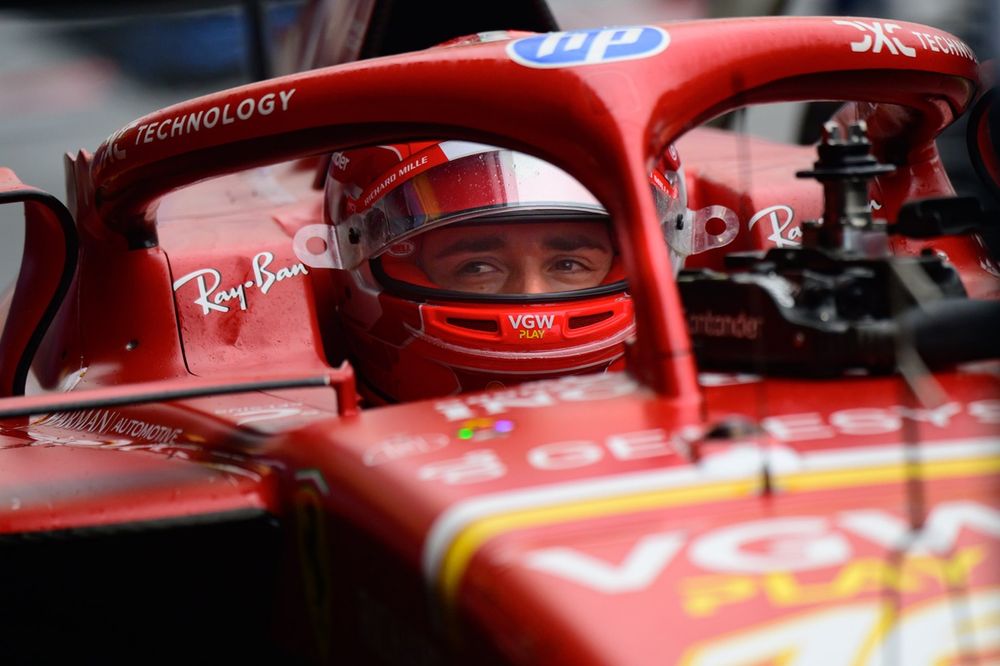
x: 475, y: 244
x: 562, y: 243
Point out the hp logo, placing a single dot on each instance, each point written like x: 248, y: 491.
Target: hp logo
x: 588, y: 47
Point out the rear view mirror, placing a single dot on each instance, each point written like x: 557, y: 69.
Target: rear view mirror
x: 50, y: 239
x: 984, y: 139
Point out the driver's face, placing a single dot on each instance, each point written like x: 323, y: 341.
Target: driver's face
x: 518, y: 258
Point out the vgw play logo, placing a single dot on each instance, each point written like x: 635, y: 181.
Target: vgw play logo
x: 588, y: 47
x: 531, y: 327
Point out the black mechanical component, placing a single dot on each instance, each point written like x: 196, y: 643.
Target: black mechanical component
x: 837, y: 303
x: 945, y: 216
x: 845, y: 168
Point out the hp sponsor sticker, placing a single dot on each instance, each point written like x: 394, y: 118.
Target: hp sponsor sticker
x: 588, y: 47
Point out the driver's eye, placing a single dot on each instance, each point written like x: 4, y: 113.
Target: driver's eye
x: 568, y: 265
x: 476, y: 268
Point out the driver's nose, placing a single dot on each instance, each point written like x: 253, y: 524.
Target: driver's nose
x: 528, y: 281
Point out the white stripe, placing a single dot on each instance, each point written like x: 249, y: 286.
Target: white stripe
x: 959, y: 449
x: 458, y: 517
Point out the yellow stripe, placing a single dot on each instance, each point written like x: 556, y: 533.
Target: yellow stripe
x: 887, y: 474
x: 470, y: 539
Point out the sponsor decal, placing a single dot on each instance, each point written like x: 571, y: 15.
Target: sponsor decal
x: 582, y: 388
x: 110, y: 422
x: 942, y: 44
x: 866, y: 421
x: 707, y: 596
x: 483, y: 465
x: 773, y: 557
x: 735, y: 457
x: 531, y: 326
x: 588, y: 47
x: 402, y: 172
x: 402, y: 249
x: 209, y: 280
x: 219, y: 115
x: 955, y: 628
x: 399, y: 172
x: 472, y: 467
x: 876, y: 36
x: 47, y: 438
x: 114, y: 152
x: 340, y: 161
x: 194, y: 122
x: 403, y: 446
x: 780, y: 217
x: 711, y: 325
x: 740, y: 549
x: 410, y: 168
x: 257, y: 414
x: 881, y: 36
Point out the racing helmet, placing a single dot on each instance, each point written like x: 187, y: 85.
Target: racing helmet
x: 465, y: 266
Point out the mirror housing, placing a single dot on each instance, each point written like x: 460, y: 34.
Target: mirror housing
x: 50, y: 257
x: 983, y: 138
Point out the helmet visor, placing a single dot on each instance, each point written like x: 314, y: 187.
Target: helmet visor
x: 456, y: 182
x: 507, y: 257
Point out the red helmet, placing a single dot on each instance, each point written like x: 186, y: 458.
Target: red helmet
x: 465, y: 266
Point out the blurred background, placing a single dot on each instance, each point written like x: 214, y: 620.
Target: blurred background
x: 71, y: 73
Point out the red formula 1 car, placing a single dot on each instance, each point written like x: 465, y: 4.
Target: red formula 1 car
x: 790, y: 454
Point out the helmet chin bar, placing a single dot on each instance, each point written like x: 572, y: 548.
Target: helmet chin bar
x: 430, y: 342
x: 595, y: 346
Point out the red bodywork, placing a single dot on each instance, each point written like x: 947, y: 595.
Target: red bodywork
x: 585, y: 520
